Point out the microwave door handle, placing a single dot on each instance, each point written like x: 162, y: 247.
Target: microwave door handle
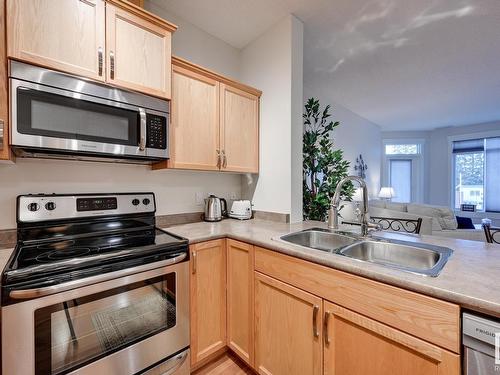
x: 142, y: 136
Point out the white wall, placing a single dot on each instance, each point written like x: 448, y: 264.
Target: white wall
x: 195, y: 45
x: 175, y: 189
x: 270, y: 63
x: 355, y: 135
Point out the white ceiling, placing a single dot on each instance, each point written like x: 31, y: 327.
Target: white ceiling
x: 402, y: 64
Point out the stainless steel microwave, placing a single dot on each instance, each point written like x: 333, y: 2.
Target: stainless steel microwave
x: 62, y: 116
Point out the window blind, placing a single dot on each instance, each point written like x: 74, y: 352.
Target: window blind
x: 492, y: 175
x: 469, y: 145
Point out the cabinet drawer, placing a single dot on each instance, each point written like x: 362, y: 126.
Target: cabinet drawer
x: 421, y: 316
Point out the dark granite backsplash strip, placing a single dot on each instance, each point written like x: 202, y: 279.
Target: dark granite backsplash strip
x: 272, y: 216
x: 8, y: 238
x: 165, y: 221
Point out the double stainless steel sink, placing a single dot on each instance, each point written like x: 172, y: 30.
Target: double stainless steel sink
x: 420, y: 258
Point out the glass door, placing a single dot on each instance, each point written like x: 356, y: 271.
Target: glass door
x: 69, y: 117
x: 76, y: 332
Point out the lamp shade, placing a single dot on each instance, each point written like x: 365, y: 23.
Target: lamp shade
x: 387, y: 193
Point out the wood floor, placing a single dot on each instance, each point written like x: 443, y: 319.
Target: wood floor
x: 227, y: 364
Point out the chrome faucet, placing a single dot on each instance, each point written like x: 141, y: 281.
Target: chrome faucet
x: 333, y: 212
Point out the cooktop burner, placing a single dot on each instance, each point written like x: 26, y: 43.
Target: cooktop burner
x: 73, y: 252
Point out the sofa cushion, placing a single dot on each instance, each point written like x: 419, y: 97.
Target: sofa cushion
x: 445, y: 217
x: 400, y: 207
x: 465, y: 223
x: 377, y: 203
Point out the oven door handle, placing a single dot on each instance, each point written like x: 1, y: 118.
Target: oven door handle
x: 142, y: 136
x: 79, y: 283
x: 171, y: 365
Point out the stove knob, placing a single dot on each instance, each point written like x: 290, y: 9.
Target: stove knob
x: 33, y: 207
x: 146, y: 201
x: 136, y: 202
x: 50, y: 206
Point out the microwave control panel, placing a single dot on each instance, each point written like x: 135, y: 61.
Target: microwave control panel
x: 156, y: 131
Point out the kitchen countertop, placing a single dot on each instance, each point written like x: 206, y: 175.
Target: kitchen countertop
x: 470, y: 278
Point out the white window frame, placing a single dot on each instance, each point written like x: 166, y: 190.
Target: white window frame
x: 451, y: 169
x: 417, y: 165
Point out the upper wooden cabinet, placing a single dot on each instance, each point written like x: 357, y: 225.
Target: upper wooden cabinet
x: 112, y: 41
x: 5, y: 153
x: 138, y: 53
x: 66, y: 35
x: 239, y: 128
x: 215, y: 122
x: 194, y: 130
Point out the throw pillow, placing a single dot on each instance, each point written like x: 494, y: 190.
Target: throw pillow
x: 465, y: 223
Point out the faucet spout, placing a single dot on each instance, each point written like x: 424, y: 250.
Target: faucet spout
x: 333, y: 212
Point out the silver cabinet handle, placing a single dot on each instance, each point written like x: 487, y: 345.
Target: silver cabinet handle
x: 194, y: 262
x: 224, y: 159
x: 315, y: 321
x: 142, y: 136
x: 218, y: 159
x: 2, y: 134
x: 112, y: 64
x: 325, y: 328
x: 99, y: 60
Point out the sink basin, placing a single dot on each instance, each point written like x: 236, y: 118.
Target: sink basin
x: 320, y: 239
x: 412, y: 257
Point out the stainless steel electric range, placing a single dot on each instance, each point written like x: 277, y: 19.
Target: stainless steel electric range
x: 93, y: 287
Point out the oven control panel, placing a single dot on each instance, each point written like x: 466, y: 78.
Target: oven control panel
x: 96, y: 204
x: 156, y: 131
x: 44, y: 207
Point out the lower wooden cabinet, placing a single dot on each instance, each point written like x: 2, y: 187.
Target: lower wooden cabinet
x: 288, y: 337
x: 357, y: 345
x: 285, y: 316
x: 240, y: 299
x: 208, y: 299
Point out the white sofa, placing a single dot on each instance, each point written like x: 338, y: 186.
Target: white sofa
x: 436, y: 220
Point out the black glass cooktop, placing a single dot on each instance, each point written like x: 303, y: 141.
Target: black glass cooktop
x: 67, y: 253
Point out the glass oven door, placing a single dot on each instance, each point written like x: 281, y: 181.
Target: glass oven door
x: 79, y: 331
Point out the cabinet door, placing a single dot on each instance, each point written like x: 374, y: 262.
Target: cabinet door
x: 138, y: 53
x: 287, y: 329
x: 66, y: 35
x: 357, y: 345
x: 4, y: 98
x: 208, y: 299
x: 194, y: 130
x: 240, y: 299
x: 239, y: 130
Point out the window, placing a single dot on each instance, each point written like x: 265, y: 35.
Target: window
x: 401, y: 179
x: 402, y: 169
x: 476, y: 173
x: 402, y: 149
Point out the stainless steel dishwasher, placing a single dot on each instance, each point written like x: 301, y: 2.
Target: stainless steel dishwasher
x: 478, y: 335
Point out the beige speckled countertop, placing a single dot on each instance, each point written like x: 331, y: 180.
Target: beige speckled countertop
x: 471, y: 278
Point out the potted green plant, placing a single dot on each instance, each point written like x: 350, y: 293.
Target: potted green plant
x: 323, y: 165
